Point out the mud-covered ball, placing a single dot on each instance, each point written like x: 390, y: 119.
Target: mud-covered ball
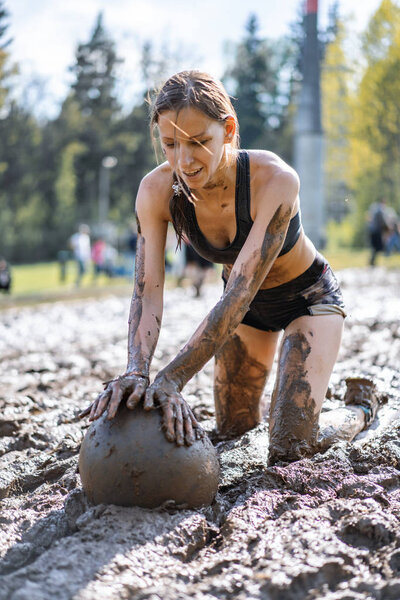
x: 128, y: 461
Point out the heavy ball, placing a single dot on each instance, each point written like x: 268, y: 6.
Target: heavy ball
x: 128, y: 461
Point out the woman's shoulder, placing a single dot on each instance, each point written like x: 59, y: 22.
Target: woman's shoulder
x: 268, y: 168
x: 269, y: 164
x: 159, y: 180
x: 155, y: 189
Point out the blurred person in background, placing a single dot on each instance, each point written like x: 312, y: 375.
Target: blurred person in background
x: 196, y: 268
x: 62, y: 257
x: 98, y: 257
x: 393, y: 237
x: 5, y: 276
x: 378, y: 227
x: 130, y: 252
x: 80, y: 244
x: 111, y: 267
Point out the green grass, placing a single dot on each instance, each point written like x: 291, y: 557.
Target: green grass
x: 45, y: 277
x: 347, y: 258
x: 41, y: 283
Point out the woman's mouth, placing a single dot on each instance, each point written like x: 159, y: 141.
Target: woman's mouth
x: 191, y: 174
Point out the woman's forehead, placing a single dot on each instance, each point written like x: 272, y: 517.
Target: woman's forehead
x: 186, y: 123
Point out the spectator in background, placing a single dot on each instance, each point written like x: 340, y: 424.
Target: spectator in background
x: 197, y: 268
x: 110, y: 261
x: 130, y: 253
x: 378, y: 227
x: 393, y: 236
x: 98, y: 257
x: 132, y: 239
x: 5, y: 276
x: 63, y: 256
x: 80, y: 244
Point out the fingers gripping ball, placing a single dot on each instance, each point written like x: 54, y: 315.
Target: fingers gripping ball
x: 128, y: 461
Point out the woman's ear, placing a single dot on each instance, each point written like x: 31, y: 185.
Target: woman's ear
x: 230, y: 129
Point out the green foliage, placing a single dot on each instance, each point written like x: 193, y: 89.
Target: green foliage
x: 344, y: 234
x: 4, y: 55
x: 374, y: 136
x: 336, y: 79
x: 94, y: 69
x: 65, y: 187
x: 20, y: 136
x: 255, y: 80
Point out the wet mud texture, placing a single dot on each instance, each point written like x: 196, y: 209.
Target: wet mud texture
x: 238, y: 387
x: 323, y: 527
x: 295, y: 410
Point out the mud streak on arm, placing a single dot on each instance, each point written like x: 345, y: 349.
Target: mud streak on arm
x: 223, y: 319
x: 144, y: 329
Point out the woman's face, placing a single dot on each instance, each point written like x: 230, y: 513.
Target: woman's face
x: 193, y: 144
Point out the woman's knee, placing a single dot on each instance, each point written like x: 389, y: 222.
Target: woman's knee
x: 304, y: 367
x: 238, y: 386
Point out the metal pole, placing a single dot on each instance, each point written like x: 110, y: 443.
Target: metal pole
x: 308, y: 139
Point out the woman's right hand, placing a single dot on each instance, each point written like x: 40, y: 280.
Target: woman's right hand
x: 129, y: 386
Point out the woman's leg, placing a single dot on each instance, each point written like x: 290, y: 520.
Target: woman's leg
x: 361, y: 405
x: 242, y: 367
x: 307, y: 355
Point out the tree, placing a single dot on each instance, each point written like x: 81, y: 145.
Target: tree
x: 22, y: 209
x: 375, y: 139
x: 255, y: 81
x: 5, y: 71
x: 93, y: 92
x: 95, y: 67
x: 336, y: 79
x: 22, y: 212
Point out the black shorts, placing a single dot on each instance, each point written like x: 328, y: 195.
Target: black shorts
x: 314, y: 292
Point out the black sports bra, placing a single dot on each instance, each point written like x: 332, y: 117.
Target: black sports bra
x: 244, y: 221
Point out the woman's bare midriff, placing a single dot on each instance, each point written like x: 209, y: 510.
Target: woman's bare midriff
x: 289, y: 266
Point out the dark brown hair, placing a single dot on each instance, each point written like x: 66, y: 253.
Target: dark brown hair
x: 201, y: 91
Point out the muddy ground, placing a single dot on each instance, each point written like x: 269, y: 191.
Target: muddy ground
x: 326, y: 527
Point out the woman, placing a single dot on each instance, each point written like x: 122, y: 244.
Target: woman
x: 241, y: 209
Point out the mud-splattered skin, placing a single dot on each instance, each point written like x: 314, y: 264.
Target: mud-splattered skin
x: 214, y: 332
x: 238, y: 386
x: 223, y: 319
x: 140, y: 348
x: 293, y: 416
x: 142, y: 341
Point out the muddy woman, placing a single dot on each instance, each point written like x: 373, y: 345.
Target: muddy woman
x: 239, y: 208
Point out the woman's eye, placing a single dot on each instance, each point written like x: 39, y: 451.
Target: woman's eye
x: 171, y: 145
x: 201, y: 142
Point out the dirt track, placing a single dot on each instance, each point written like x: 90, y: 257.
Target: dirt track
x: 321, y: 528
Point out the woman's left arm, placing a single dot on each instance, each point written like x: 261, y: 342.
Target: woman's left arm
x: 249, y: 270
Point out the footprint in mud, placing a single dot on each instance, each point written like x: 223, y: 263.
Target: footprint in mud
x: 394, y: 562
x: 368, y: 532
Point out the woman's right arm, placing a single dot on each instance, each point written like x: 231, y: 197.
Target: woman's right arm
x: 146, y: 305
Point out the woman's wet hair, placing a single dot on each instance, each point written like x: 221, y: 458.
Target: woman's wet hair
x: 190, y: 89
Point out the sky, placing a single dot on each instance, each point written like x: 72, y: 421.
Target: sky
x: 46, y: 34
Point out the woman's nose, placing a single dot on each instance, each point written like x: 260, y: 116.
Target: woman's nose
x: 185, y: 156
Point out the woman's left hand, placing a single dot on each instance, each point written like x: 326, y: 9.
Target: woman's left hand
x: 178, y: 421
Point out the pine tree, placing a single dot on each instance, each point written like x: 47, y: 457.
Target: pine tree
x: 95, y: 71
x: 254, y: 80
x: 5, y: 70
x: 94, y: 94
